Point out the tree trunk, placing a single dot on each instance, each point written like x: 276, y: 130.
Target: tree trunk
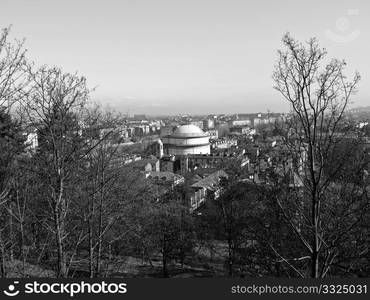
x: 315, y: 246
x: 164, y: 265
x: 20, y: 213
x: 91, y: 250
x: 315, y: 265
x: 164, y: 259
x: 2, y: 259
x: 59, y: 232
x: 110, y: 251
x: 11, y: 232
x: 230, y: 258
x: 100, y: 228
x: 23, y: 248
x: 90, y: 222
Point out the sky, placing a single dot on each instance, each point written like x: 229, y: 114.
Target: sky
x: 188, y: 56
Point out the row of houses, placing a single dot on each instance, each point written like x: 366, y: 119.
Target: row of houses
x: 207, y: 187
x: 201, y: 187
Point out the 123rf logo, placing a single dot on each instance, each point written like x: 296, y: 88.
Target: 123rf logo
x: 70, y: 289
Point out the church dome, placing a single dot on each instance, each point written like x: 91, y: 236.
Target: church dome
x: 186, y: 139
x: 189, y: 130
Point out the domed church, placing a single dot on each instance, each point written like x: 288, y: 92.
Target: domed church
x: 186, y: 139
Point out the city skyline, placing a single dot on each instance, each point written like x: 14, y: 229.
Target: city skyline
x: 193, y: 57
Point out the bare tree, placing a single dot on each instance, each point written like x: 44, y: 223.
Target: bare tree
x: 318, y: 93
x: 54, y: 107
x: 11, y: 145
x: 12, y: 80
x: 101, y: 176
x: 13, y: 76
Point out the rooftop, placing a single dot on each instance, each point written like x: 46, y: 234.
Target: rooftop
x: 189, y: 130
x: 210, y: 181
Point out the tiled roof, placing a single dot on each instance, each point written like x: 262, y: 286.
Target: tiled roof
x: 211, y: 180
x: 165, y: 176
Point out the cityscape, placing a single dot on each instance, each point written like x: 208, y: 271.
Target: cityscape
x: 94, y: 188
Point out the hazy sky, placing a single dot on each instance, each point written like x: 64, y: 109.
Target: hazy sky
x: 188, y: 56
